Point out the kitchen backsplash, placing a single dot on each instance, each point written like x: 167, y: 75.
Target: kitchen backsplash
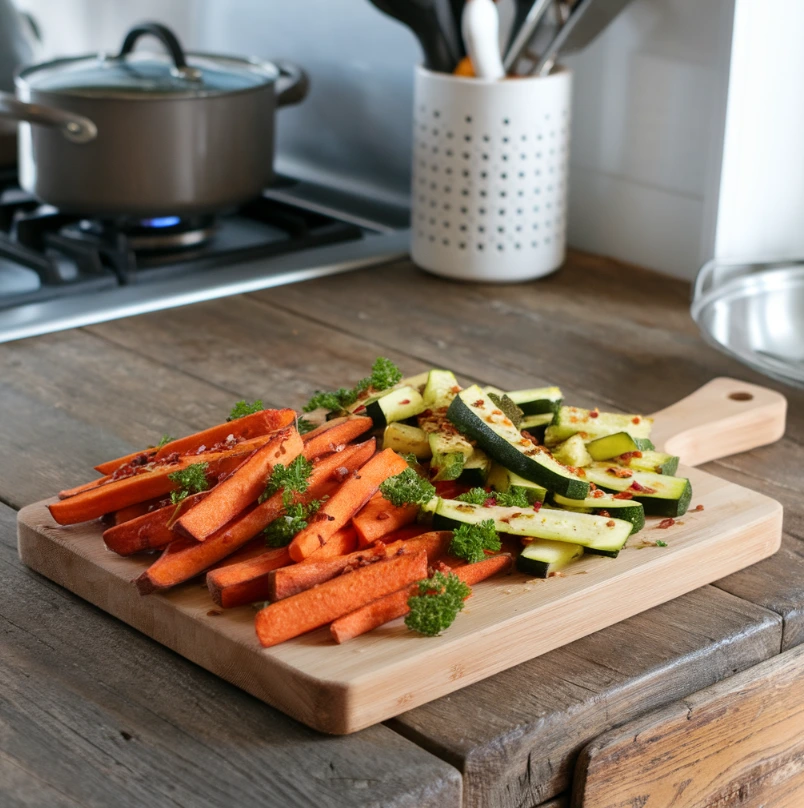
x: 647, y: 117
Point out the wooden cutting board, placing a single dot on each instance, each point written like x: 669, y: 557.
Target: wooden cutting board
x: 508, y: 620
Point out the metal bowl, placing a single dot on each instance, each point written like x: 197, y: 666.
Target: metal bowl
x: 755, y: 313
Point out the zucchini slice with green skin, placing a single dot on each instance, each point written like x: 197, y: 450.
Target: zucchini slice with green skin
x: 398, y: 405
x: 441, y: 388
x: 446, y: 466
x: 500, y: 479
x: 660, y: 462
x: 628, y: 509
x: 644, y: 444
x: 476, y: 469
x: 531, y: 422
x: 541, y: 557
x: 407, y: 439
x: 593, y: 424
x: 475, y: 415
x: 572, y: 452
x: 660, y: 494
x: 537, y: 400
x: 598, y: 534
x: 611, y: 446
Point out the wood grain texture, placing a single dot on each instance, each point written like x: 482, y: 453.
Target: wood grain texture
x: 344, y: 688
x: 739, y: 742
x: 95, y: 714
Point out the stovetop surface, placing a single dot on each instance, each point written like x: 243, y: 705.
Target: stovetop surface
x: 59, y: 271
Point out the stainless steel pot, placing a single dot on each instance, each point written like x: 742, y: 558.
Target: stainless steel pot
x: 15, y: 50
x: 149, y: 135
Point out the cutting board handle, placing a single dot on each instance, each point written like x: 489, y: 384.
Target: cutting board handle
x: 722, y: 418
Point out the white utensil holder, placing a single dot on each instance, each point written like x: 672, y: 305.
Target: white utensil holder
x: 490, y: 164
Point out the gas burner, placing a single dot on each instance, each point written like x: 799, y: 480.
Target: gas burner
x: 149, y: 235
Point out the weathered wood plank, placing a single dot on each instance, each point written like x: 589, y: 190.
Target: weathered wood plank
x: 739, y: 742
x: 95, y: 714
x: 515, y: 737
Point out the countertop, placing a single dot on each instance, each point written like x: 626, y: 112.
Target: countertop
x: 96, y: 714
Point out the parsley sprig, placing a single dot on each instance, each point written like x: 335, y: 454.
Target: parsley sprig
x: 304, y: 426
x: 407, y: 488
x: 384, y: 374
x: 506, y: 499
x: 295, y: 477
x: 164, y: 441
x: 292, y: 480
x: 192, y: 480
x: 437, y: 604
x: 243, y: 408
x: 470, y: 541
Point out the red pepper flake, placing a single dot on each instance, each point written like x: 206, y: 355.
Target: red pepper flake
x: 455, y: 389
x: 623, y: 474
x: 644, y: 489
x: 665, y: 523
x: 537, y: 506
x: 594, y: 413
x: 596, y: 493
x: 406, y: 401
x: 624, y: 494
x: 340, y: 473
x: 625, y: 457
x: 636, y: 419
x: 383, y: 515
x: 698, y: 508
x: 479, y: 403
x: 496, y: 412
x: 604, y: 512
x: 489, y: 503
x: 360, y: 408
x: 611, y: 523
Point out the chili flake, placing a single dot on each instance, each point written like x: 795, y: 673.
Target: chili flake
x: 665, y: 523
x: 644, y: 489
x: 621, y: 473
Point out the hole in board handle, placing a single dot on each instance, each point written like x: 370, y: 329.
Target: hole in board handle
x: 741, y: 396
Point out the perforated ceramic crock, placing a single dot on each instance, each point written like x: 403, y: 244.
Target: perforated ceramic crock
x: 490, y: 161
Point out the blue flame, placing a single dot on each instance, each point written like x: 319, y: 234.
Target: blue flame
x: 161, y: 221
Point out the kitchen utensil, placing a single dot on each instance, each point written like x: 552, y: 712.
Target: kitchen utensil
x: 15, y: 49
x: 588, y: 19
x: 480, y: 26
x: 147, y: 135
x: 450, y: 26
x: 755, y: 313
x: 490, y: 163
x: 513, y: 618
x: 422, y: 18
x: 525, y: 30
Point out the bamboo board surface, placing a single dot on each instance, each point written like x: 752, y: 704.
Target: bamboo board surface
x: 510, y: 619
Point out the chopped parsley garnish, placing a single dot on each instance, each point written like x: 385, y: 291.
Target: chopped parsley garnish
x: 506, y: 499
x: 660, y: 543
x: 470, y: 541
x: 475, y: 496
x: 192, y: 480
x: 407, y: 488
x: 437, y: 605
x: 384, y: 374
x: 304, y: 426
x: 164, y: 441
x: 243, y: 408
x: 282, y: 530
x: 295, y: 477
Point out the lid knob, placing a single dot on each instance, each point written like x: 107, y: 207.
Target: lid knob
x: 180, y: 67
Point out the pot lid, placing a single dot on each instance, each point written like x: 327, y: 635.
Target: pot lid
x: 173, y: 74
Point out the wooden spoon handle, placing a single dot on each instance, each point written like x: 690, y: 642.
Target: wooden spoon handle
x: 722, y: 418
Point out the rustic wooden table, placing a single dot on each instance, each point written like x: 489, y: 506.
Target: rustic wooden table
x: 95, y: 714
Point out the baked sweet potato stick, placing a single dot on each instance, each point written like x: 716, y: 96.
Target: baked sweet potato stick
x: 289, y: 581
x: 246, y: 582
x: 231, y: 497
x: 147, y: 485
x: 176, y: 567
x: 379, y: 517
x: 236, y: 584
x: 149, y: 531
x: 133, y: 511
x: 388, y: 608
x: 250, y: 426
x: 334, y: 435
x: 322, y: 604
x: 340, y: 543
x: 408, y: 532
x: 346, y: 502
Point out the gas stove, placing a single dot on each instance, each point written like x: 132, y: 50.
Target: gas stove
x: 60, y: 271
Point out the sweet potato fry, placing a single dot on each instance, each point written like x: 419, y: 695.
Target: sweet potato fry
x: 379, y: 517
x: 246, y: 582
x: 250, y: 426
x: 241, y: 488
x: 334, y: 435
x: 395, y: 605
x: 170, y: 570
x: 149, y: 484
x: 407, y: 532
x: 346, y: 502
x: 322, y: 604
x: 341, y: 542
x: 133, y: 511
x: 150, y: 531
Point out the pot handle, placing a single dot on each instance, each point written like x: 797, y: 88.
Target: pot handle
x: 76, y: 128
x: 168, y: 39
x: 292, y: 85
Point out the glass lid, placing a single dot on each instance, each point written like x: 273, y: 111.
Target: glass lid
x: 172, y: 74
